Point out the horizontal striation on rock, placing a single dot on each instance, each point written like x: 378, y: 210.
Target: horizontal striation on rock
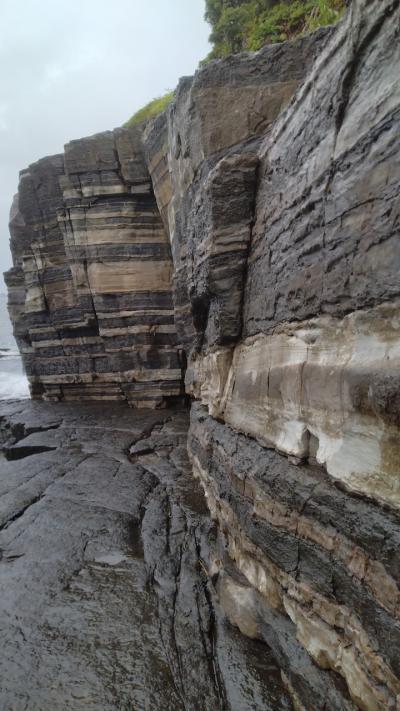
x: 324, y: 559
x: 325, y: 237
x: 324, y: 390
x: 90, y: 293
x: 202, y: 158
x: 286, y: 287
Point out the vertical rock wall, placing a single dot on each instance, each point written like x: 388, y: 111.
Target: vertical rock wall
x: 203, y: 160
x: 285, y: 242
x: 90, y: 292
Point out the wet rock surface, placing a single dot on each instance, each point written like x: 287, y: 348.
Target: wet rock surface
x: 242, y: 251
x: 105, y: 594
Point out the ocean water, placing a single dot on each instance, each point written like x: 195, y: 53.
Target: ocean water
x: 13, y: 382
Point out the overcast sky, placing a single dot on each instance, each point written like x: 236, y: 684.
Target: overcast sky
x: 70, y: 68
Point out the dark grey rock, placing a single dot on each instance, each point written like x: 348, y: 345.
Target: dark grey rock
x: 104, y: 598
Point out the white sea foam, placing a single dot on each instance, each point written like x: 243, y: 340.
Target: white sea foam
x: 13, y: 386
x: 13, y: 382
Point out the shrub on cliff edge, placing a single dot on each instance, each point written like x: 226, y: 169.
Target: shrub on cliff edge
x: 238, y: 25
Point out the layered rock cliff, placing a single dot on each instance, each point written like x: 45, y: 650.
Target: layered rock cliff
x: 247, y: 241
x: 91, y: 291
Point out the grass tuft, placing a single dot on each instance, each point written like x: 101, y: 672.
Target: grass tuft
x: 152, y: 109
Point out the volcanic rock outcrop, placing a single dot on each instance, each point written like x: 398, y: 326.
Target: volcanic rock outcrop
x: 273, y: 182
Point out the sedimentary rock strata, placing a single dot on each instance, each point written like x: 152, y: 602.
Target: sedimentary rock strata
x: 203, y: 161
x: 314, y: 380
x: 324, y: 390
x: 327, y: 560
x: 90, y: 293
x: 292, y: 330
x: 247, y: 243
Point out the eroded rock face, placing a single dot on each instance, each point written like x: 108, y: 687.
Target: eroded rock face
x: 325, y: 237
x: 291, y: 322
x: 90, y: 293
x: 262, y: 217
x: 203, y: 159
x: 324, y: 390
x: 327, y: 560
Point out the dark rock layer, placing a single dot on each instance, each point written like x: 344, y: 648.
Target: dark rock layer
x: 325, y: 238
x: 203, y: 161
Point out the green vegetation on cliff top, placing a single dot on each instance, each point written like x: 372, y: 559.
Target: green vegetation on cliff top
x: 152, y: 109
x: 238, y: 25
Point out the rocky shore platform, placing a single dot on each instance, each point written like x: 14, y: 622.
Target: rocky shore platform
x: 106, y: 601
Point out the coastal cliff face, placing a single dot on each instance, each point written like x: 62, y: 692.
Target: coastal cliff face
x: 247, y: 242
x: 90, y: 294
